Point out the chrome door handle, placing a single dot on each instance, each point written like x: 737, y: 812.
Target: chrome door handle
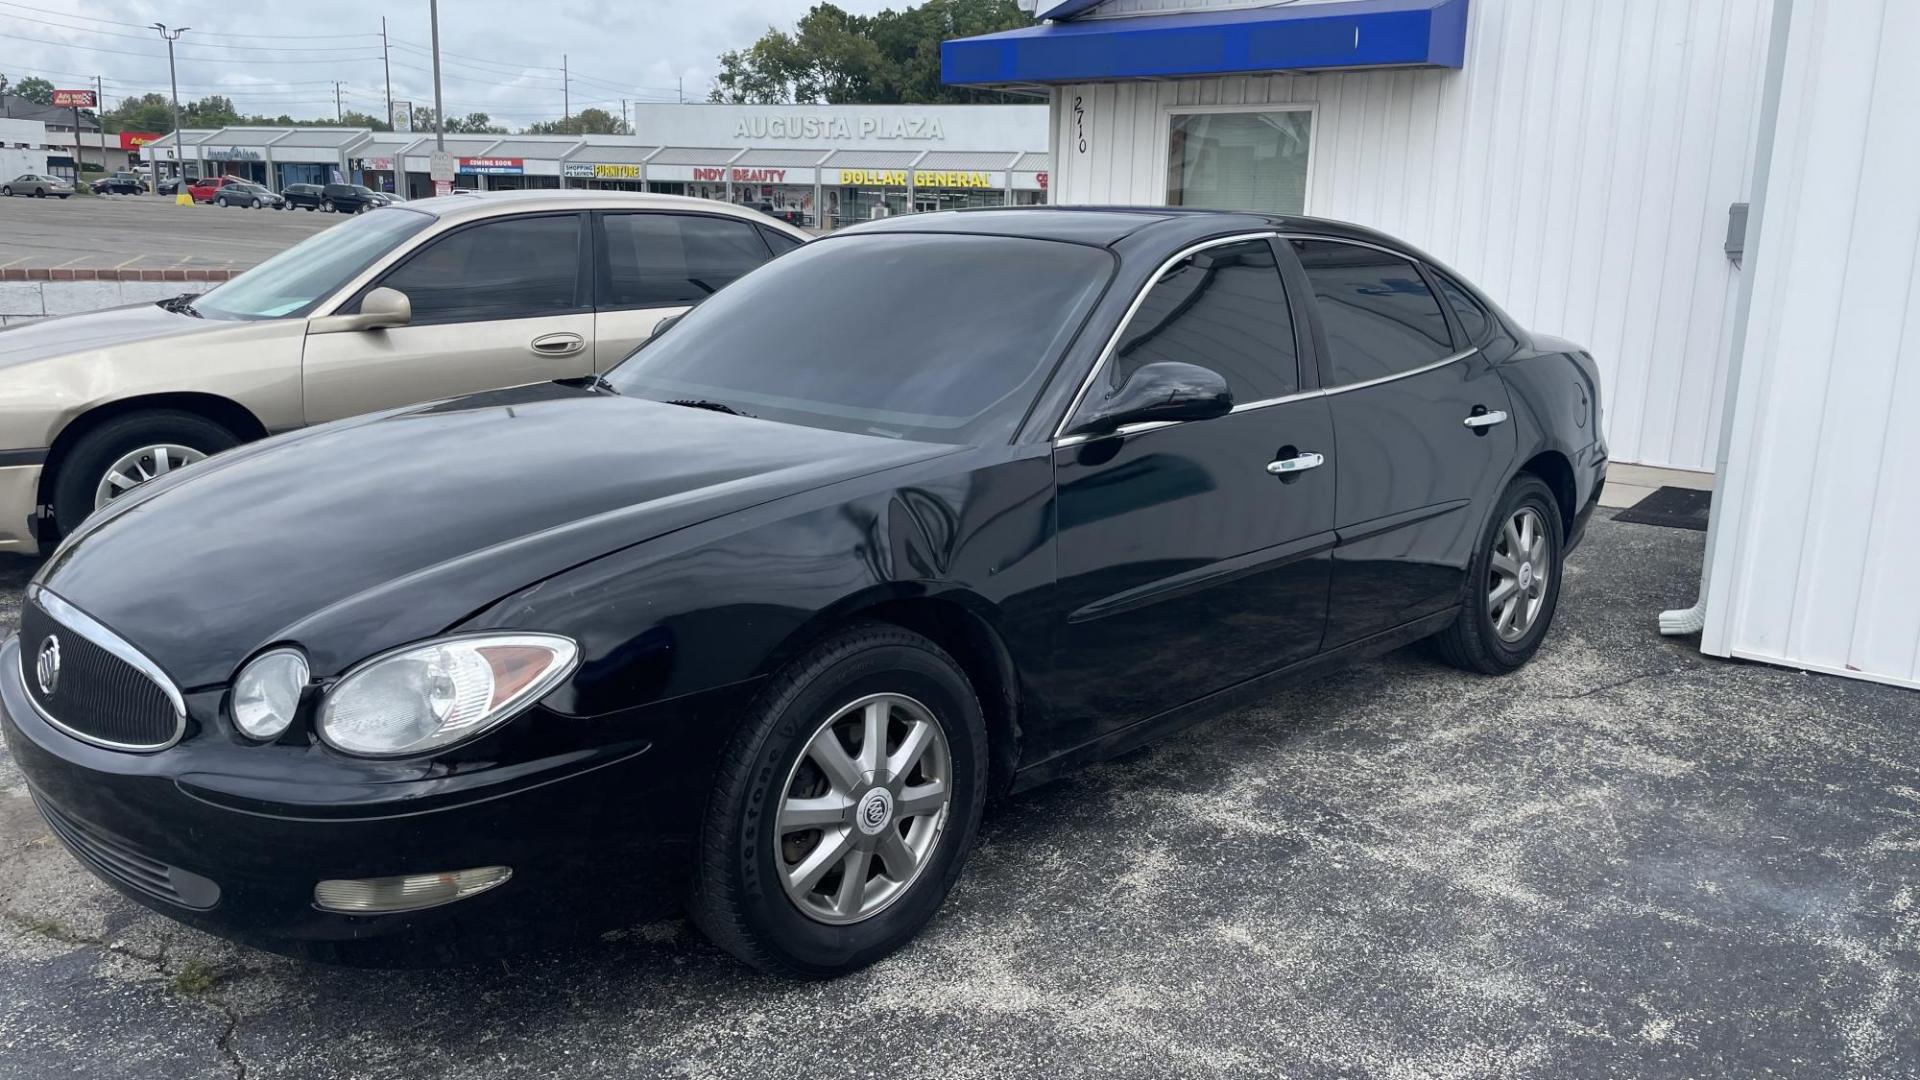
x: 1296, y: 464
x: 559, y: 344
x: 1486, y: 419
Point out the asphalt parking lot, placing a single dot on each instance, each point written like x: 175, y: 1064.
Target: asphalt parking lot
x: 145, y: 232
x: 1625, y: 860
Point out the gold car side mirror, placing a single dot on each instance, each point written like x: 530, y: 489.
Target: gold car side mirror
x: 379, y: 310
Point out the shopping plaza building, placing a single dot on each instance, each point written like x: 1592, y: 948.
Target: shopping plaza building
x: 820, y: 166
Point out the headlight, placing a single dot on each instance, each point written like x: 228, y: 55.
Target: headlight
x: 428, y: 696
x: 268, y: 691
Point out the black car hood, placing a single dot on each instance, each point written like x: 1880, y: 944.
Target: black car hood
x: 357, y: 536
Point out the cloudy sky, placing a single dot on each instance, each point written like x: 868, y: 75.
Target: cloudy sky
x: 501, y: 57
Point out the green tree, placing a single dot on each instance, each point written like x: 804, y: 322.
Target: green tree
x: 148, y: 112
x: 477, y: 123
x: 835, y: 57
x: 34, y: 89
x: 584, y: 122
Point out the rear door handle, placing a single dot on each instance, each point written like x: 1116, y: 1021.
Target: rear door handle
x: 1298, y: 463
x: 559, y: 344
x: 1486, y: 419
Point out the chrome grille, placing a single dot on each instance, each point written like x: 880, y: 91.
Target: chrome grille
x: 103, y: 691
x: 116, y: 861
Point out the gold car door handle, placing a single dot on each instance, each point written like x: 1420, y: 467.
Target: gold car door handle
x: 559, y: 344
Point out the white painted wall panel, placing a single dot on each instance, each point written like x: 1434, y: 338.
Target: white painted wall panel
x: 1814, y: 554
x: 1579, y: 168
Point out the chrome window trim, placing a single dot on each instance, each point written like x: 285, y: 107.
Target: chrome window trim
x: 1113, y: 342
x: 79, y: 622
x: 1139, y: 298
x: 1409, y: 373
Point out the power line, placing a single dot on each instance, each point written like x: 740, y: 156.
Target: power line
x: 143, y: 37
x: 41, y: 9
x: 158, y: 56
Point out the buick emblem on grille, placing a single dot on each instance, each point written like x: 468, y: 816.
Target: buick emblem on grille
x: 47, y: 667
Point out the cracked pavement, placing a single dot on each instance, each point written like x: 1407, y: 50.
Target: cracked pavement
x: 1625, y: 860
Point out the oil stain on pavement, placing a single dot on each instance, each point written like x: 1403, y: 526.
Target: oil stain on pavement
x: 1624, y: 860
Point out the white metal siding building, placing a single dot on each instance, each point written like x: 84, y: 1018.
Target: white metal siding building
x: 1814, y: 557
x: 1579, y: 161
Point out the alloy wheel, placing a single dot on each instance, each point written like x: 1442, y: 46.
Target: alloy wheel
x: 1517, y: 574
x: 136, y: 467
x: 863, y: 808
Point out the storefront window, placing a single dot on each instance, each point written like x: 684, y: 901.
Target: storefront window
x: 1240, y: 160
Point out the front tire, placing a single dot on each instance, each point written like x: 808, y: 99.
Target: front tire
x: 137, y: 447
x: 808, y: 797
x: 1514, y: 583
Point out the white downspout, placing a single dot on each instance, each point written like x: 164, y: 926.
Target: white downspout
x: 1679, y: 622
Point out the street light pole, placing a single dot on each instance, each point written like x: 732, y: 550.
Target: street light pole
x: 439, y: 109
x: 179, y: 147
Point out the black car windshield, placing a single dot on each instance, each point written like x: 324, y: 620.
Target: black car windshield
x: 933, y: 337
x: 292, y: 282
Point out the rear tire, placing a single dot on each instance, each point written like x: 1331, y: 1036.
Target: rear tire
x: 741, y: 897
x: 1488, y: 636
x: 85, y: 468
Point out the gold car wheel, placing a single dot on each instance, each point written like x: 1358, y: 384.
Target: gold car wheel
x: 136, y: 467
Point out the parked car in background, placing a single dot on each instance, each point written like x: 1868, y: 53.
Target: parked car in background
x: 171, y: 185
x: 37, y: 185
x: 758, y: 621
x: 426, y: 300
x: 246, y: 193
x: 350, y: 198
x: 120, y: 183
x: 204, y: 190
x: 307, y: 197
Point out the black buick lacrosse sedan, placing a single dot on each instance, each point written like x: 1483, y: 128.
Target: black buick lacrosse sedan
x: 925, y: 511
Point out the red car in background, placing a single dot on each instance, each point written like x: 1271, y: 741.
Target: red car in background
x: 204, y: 190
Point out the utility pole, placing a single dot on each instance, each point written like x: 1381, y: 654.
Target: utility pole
x: 624, y: 122
x: 173, y: 77
x: 439, y: 110
x: 386, y: 67
x: 681, y: 89
x: 566, y: 97
x: 100, y: 119
x: 339, y: 114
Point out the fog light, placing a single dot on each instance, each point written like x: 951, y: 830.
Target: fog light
x: 374, y: 896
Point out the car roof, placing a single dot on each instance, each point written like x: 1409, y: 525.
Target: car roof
x: 465, y: 205
x: 1107, y: 226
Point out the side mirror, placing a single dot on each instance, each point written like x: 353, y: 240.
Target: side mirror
x: 1161, y: 391
x: 379, y: 310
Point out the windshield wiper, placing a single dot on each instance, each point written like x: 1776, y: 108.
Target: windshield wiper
x: 716, y: 406
x: 182, y: 305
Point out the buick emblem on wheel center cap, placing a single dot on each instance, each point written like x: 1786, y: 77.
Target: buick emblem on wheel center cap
x: 47, y: 667
x: 876, y: 810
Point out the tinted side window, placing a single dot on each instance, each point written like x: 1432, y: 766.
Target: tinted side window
x: 778, y: 241
x: 1474, y: 320
x: 1223, y: 308
x: 1380, y: 318
x: 670, y: 259
x: 518, y: 268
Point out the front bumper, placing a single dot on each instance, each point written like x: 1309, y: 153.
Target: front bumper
x: 19, y: 502
x: 171, y: 831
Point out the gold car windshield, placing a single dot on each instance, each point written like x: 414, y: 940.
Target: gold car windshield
x: 292, y: 282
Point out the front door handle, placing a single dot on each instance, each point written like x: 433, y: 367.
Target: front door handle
x: 559, y: 344
x: 1298, y: 463
x: 1481, y: 420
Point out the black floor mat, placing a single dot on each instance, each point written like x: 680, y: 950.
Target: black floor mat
x: 1673, y: 507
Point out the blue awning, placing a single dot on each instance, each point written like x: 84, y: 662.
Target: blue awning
x: 1295, y: 37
